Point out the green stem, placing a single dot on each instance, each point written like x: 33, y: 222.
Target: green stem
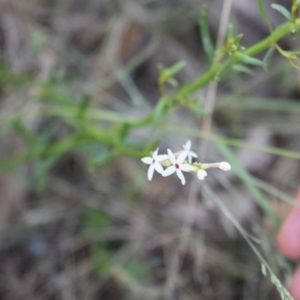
x: 277, y: 34
x: 203, y: 80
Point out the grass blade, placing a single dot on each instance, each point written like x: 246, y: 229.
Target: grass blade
x: 249, y: 183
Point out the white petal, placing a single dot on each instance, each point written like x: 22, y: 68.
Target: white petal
x: 150, y: 172
x: 189, y: 158
x: 181, y: 176
x: 158, y: 167
x: 147, y: 160
x: 155, y: 153
x: 168, y: 171
x: 193, y: 154
x: 182, y: 156
x: 186, y: 168
x: 161, y: 157
x: 187, y: 145
x: 172, y: 157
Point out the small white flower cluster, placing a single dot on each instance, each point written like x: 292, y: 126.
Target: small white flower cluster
x: 178, y: 162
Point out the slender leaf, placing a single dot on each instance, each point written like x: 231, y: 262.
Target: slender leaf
x: 136, y: 270
x: 167, y: 74
x: 41, y: 169
x: 249, y: 60
x: 124, y: 130
x: 83, y: 106
x: 158, y: 112
x: 237, y: 39
x: 18, y: 126
x: 267, y: 58
x: 205, y: 36
x: 229, y: 36
x: 95, y: 218
x: 283, y: 11
x: 152, y: 145
x: 102, y: 257
x: 242, y: 69
x: 101, y: 160
x: 263, y: 13
x: 176, y: 68
x: 197, y: 110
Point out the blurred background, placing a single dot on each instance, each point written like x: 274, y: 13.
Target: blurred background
x: 77, y: 223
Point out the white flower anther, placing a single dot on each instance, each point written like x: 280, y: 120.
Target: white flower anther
x: 154, y: 163
x: 178, y: 166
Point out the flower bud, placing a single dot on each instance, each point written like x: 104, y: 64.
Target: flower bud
x: 224, y: 166
x: 201, y: 174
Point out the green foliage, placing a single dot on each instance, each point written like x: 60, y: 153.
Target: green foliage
x: 167, y: 74
x: 102, y: 258
x: 283, y: 11
x: 205, y: 36
x: 103, y: 253
x: 267, y: 58
x: 101, y: 134
x: 242, y: 68
x: 263, y: 13
x: 136, y: 270
x: 95, y: 219
x: 159, y: 112
x: 249, y: 60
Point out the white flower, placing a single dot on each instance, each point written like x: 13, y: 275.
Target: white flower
x: 224, y: 166
x: 201, y: 174
x: 187, y: 149
x: 178, y: 166
x: 154, y: 163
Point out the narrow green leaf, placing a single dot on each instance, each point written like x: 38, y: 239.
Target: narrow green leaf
x: 94, y: 218
x: 263, y: 270
x: 22, y: 131
x: 50, y: 93
x: 283, y: 11
x: 83, y: 106
x: 136, y: 270
x: 197, y: 110
x: 153, y: 145
x: 264, y: 13
x: 102, y: 257
x: 173, y: 82
x: 237, y: 39
x: 101, y: 160
x: 41, y: 169
x: 158, y: 112
x: 166, y: 74
x: 205, y: 36
x: 267, y: 58
x: 242, y: 69
x: 124, y: 130
x: 229, y: 36
x: 248, y: 59
x: 176, y: 68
